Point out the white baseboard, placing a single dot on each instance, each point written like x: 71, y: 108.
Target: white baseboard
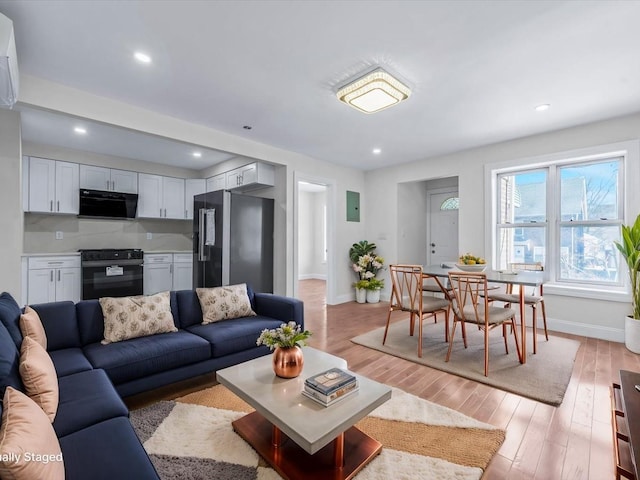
x: 312, y: 276
x: 586, y: 330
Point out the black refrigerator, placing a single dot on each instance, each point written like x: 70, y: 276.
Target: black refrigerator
x: 232, y: 240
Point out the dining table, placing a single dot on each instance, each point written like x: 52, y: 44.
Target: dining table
x: 522, y: 278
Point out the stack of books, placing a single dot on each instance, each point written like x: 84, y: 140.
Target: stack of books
x: 330, y: 386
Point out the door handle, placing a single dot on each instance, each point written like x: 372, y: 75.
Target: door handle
x: 58, y: 275
x: 51, y: 275
x: 433, y: 251
x: 433, y: 244
x: 51, y: 205
x: 58, y: 205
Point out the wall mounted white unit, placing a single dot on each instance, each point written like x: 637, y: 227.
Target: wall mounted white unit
x: 251, y: 177
x: 108, y: 179
x: 217, y: 182
x: 160, y: 197
x: 53, y: 186
x: 9, y: 85
x: 192, y: 187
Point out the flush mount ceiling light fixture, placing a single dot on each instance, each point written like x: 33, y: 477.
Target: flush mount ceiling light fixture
x: 373, y: 92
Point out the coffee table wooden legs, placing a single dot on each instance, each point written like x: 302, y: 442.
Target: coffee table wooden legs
x: 342, y: 459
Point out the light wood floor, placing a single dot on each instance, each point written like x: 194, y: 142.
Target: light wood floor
x: 573, y: 441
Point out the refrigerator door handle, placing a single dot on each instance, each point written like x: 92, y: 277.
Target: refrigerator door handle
x: 201, y: 234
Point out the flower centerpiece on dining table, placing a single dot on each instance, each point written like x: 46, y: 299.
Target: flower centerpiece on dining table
x: 285, y: 342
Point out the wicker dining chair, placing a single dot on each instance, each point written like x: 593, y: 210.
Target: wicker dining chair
x: 469, y: 307
x: 407, y: 296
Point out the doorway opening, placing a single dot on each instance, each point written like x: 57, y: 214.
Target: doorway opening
x: 314, y: 222
x: 428, y: 221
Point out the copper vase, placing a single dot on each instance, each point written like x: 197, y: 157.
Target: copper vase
x: 288, y: 361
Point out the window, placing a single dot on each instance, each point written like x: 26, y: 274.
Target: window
x: 450, y: 203
x: 565, y: 216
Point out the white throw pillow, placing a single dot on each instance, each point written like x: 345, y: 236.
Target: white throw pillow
x: 132, y: 317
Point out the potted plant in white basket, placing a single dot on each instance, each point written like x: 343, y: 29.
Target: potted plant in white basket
x: 366, y: 264
x: 629, y: 247
x: 373, y: 290
x: 361, y: 287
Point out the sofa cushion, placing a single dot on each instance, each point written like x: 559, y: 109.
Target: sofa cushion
x: 9, y: 362
x: 137, y: 357
x: 39, y: 376
x: 10, y: 317
x: 86, y: 398
x: 60, y: 324
x: 69, y: 361
x: 189, y: 308
x: 139, y: 316
x: 224, y: 303
x: 31, y: 326
x: 231, y: 336
x: 27, y: 429
x: 106, y: 451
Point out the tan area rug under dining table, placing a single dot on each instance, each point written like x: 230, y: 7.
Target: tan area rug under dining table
x: 192, y: 438
x: 544, y: 377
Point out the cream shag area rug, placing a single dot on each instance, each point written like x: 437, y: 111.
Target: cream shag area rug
x: 192, y: 438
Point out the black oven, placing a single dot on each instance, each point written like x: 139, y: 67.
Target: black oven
x: 111, y: 273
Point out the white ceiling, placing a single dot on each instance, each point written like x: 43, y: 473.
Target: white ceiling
x: 477, y: 68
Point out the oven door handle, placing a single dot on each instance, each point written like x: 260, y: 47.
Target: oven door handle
x: 112, y: 263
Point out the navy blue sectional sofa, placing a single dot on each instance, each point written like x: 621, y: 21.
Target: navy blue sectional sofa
x: 95, y: 435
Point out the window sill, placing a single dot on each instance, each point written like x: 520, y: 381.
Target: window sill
x: 593, y: 292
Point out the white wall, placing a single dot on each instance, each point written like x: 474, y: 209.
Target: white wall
x: 311, y: 263
x: 11, y: 202
x: 597, y: 318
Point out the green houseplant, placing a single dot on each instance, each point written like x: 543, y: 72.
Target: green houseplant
x: 366, y: 264
x: 629, y: 247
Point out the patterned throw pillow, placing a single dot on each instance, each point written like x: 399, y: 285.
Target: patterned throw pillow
x: 224, y: 303
x: 132, y: 317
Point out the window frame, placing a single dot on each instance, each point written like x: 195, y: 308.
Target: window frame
x: 629, y: 154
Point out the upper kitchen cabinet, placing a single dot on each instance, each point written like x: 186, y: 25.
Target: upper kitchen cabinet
x: 217, y: 182
x: 109, y: 179
x: 53, y: 186
x: 251, y: 177
x: 160, y: 197
x: 192, y: 187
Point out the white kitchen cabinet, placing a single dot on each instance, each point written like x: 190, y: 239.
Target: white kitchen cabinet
x: 157, y: 275
x: 160, y: 197
x: 192, y: 187
x: 109, y: 179
x: 53, y: 279
x: 182, y: 271
x: 250, y: 177
x: 217, y: 182
x: 53, y: 186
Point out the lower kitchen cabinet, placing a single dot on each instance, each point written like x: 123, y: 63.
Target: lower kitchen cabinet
x: 53, y: 279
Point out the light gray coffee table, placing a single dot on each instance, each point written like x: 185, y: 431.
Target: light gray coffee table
x: 298, y: 437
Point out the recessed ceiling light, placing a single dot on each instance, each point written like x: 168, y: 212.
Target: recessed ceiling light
x: 142, y: 57
x: 80, y: 130
x: 377, y: 151
x: 197, y: 154
x: 543, y: 107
